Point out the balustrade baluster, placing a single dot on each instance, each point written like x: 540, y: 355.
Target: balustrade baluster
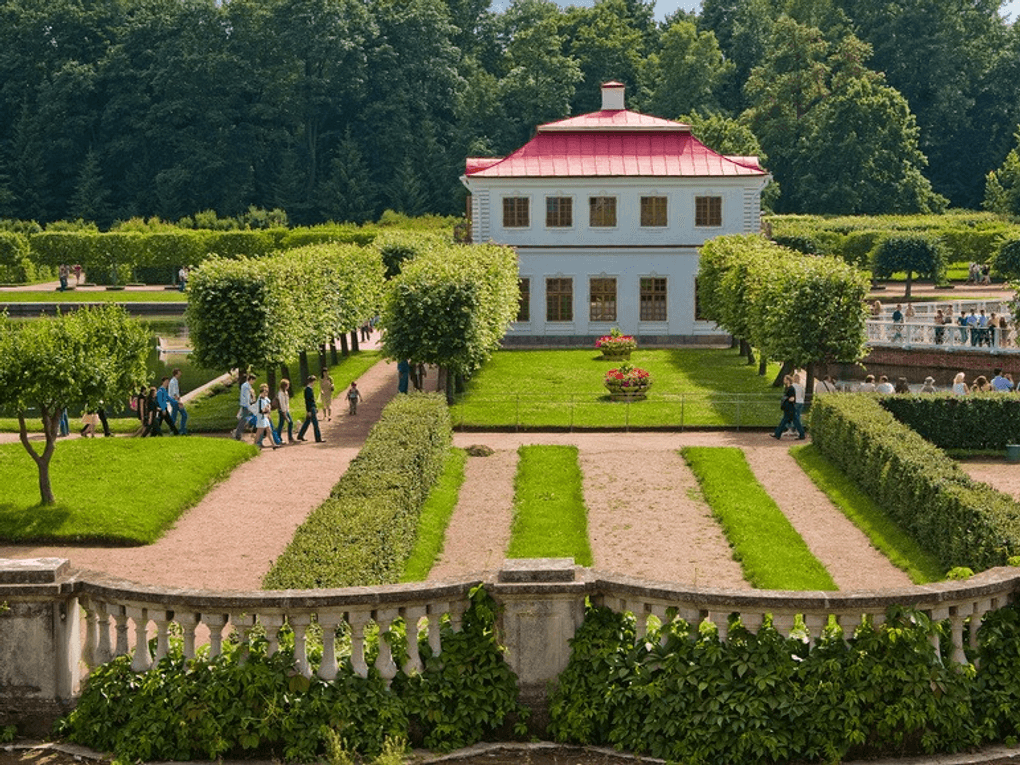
x: 412, y: 618
x: 722, y: 624
x: 120, y: 621
x: 752, y: 621
x: 937, y: 615
x: 457, y: 609
x: 815, y: 624
x: 189, y: 623
x: 162, y: 621
x: 299, y: 624
x: 104, y: 651
x: 91, y: 650
x: 358, y: 621
x: 329, y: 621
x: 435, y: 615
x: 215, y: 623
x: 849, y: 623
x: 384, y: 661
x: 272, y: 624
x: 784, y: 622
x: 957, y: 616
x: 142, y: 659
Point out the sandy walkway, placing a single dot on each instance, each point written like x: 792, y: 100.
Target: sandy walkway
x: 229, y: 540
x: 843, y: 548
x: 479, y: 530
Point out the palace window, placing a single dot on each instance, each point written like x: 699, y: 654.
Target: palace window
x: 602, y: 212
x: 559, y: 212
x: 603, y: 299
x: 708, y: 211
x: 516, y: 212
x: 653, y: 299
x: 559, y: 299
x: 653, y: 211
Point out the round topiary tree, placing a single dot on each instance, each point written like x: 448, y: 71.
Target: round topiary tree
x: 1006, y: 262
x: 919, y: 255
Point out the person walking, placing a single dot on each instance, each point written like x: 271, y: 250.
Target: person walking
x: 244, y: 402
x: 283, y: 404
x: 310, y: 418
x: 163, y: 405
x: 63, y: 272
x: 789, y: 407
x: 176, y: 405
x: 326, y: 394
x: 263, y: 423
x: 353, y: 396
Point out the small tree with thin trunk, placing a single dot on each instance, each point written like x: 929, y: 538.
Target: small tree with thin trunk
x: 82, y: 359
x: 919, y: 255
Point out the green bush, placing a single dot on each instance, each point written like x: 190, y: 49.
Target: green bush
x: 13, y: 257
x: 766, y: 697
x: 365, y: 531
x: 978, y: 421
x: 960, y: 521
x: 246, y: 703
x: 327, y: 235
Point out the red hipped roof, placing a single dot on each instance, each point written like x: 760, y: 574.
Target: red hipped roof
x: 613, y: 143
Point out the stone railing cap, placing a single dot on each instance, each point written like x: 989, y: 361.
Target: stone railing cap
x: 531, y: 570
x: 32, y: 570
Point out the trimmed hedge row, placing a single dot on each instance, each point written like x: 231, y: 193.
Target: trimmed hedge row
x: 977, y: 421
x: 967, y: 237
x: 364, y: 532
x: 960, y: 521
x: 119, y: 256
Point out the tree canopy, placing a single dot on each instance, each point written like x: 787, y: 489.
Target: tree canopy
x: 341, y: 109
x: 88, y: 358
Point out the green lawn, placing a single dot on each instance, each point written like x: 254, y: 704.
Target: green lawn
x: 435, y: 517
x: 771, y: 552
x: 885, y: 534
x: 563, y: 389
x: 550, y: 517
x: 93, y: 296
x: 111, y: 490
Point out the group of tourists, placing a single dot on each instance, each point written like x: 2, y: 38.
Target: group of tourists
x: 64, y: 275
x: 162, y: 405
x: 255, y: 411
x: 976, y: 328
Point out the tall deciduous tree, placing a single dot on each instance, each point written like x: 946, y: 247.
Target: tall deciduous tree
x: 687, y: 72
x: 81, y: 359
x: 839, y: 140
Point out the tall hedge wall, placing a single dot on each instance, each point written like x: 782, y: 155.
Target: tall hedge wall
x: 960, y: 521
x: 119, y: 256
x: 967, y: 237
x: 978, y: 421
x: 364, y: 532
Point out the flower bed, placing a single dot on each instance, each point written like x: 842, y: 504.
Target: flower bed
x: 627, y: 383
x: 616, y: 345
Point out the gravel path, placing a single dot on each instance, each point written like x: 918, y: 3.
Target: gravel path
x: 231, y: 538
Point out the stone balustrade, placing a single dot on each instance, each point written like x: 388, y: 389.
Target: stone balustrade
x: 45, y: 652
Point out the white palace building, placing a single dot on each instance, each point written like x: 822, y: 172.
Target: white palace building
x: 606, y: 212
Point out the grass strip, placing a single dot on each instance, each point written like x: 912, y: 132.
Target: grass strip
x: 771, y: 552
x: 885, y: 534
x: 435, y: 517
x: 111, y: 490
x: 550, y: 517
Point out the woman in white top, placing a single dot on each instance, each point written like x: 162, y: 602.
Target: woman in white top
x: 959, y: 386
x: 283, y: 402
x: 263, y: 425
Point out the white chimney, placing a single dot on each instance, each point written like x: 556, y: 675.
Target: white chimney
x: 612, y: 96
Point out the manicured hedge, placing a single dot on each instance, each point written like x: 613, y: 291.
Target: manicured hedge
x: 364, y: 532
x: 960, y: 521
x: 680, y: 694
x: 120, y: 256
x: 977, y: 421
x: 13, y: 257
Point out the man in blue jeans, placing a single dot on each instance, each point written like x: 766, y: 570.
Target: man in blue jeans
x: 176, y: 405
x: 310, y: 412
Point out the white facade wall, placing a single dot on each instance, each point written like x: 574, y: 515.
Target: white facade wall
x: 626, y: 252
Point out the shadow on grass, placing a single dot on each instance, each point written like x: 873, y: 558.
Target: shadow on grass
x: 715, y: 370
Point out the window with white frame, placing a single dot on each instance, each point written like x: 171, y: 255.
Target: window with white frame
x: 602, y: 294
x: 516, y: 212
x: 653, y: 298
x: 602, y: 212
x: 559, y: 299
x: 653, y: 212
x: 559, y: 212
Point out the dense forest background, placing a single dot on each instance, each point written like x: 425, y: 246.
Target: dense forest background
x: 340, y: 109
